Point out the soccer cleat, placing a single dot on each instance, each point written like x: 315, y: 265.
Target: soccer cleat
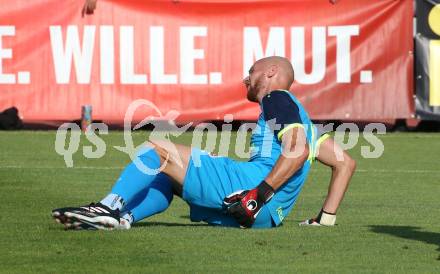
x: 94, y: 216
x: 78, y: 226
x: 59, y: 217
x: 123, y: 224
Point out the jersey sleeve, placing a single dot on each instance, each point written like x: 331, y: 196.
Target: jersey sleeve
x: 281, y: 112
x: 321, y: 134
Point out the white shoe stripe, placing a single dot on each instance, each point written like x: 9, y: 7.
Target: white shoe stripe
x: 88, y: 208
x: 96, y: 209
x: 102, y: 210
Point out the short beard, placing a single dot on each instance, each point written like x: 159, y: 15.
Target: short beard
x: 251, y: 96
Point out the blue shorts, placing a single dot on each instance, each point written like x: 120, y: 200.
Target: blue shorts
x: 209, y: 179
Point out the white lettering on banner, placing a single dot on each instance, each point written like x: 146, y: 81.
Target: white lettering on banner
x: 188, y: 54
x: 107, y: 57
x: 298, y: 53
x: 343, y: 36
x: 24, y: 77
x: 253, y: 49
x: 78, y: 51
x: 6, y: 78
x: 128, y: 76
x: 81, y: 55
x: 157, y: 58
x: 72, y: 52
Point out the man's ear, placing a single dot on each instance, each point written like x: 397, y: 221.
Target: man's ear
x: 271, y: 71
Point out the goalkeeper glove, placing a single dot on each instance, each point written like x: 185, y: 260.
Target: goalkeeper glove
x: 244, y: 205
x: 323, y: 219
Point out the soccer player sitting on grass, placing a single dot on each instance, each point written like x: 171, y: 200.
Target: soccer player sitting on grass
x: 259, y: 193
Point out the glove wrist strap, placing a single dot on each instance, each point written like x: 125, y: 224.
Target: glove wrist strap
x: 265, y: 191
x: 326, y: 218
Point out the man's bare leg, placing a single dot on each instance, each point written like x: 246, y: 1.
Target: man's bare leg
x: 174, y: 158
x: 343, y: 167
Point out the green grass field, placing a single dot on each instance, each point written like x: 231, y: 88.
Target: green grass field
x: 388, y: 223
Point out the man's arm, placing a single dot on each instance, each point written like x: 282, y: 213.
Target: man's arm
x: 295, y: 153
x: 244, y: 206
x: 343, y: 166
x: 277, y: 107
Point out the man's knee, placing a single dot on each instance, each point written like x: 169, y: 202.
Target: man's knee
x: 348, y: 163
x: 174, y: 158
x: 160, y: 147
x: 351, y: 164
x: 171, y: 154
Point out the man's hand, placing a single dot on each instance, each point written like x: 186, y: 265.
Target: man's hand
x: 323, y: 219
x: 89, y: 7
x: 244, y: 205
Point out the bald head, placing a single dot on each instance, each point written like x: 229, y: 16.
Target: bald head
x: 267, y: 74
x: 284, y: 74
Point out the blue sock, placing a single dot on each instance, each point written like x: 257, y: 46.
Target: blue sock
x: 113, y: 201
x: 155, y: 199
x: 133, y: 181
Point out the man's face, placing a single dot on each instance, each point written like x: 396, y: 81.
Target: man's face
x: 254, y: 82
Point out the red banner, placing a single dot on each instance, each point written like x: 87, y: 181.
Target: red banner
x: 352, y: 60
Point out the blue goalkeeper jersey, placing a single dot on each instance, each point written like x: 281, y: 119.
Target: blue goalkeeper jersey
x: 281, y: 111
